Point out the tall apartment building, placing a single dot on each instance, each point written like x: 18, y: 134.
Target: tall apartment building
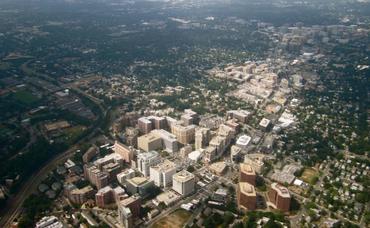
x: 149, y: 142
x: 162, y: 173
x: 183, y: 182
x: 95, y: 176
x: 133, y: 203
x: 169, y: 141
x: 131, y: 136
x: 247, y: 174
x: 279, y: 197
x: 202, y: 138
x: 145, y: 160
x: 124, y: 151
x: 104, y: 198
x: 246, y: 196
x: 146, y: 124
x: 184, y: 134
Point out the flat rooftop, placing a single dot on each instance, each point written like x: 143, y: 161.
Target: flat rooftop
x: 247, y: 189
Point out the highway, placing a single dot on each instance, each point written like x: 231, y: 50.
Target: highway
x: 14, y: 204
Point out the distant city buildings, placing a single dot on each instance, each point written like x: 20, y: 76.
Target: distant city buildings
x: 184, y: 134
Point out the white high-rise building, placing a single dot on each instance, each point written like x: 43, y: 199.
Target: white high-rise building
x: 162, y: 173
x: 183, y: 182
x: 125, y: 216
x: 145, y: 160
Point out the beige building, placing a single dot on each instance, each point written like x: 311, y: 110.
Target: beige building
x: 183, y: 182
x: 202, y: 138
x: 162, y: 173
x: 184, y: 134
x: 149, y: 142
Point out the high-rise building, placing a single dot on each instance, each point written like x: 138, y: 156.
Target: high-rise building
x: 124, y: 151
x: 140, y: 185
x: 162, y: 173
x: 125, y: 175
x: 202, y: 138
x: 149, y: 142
x: 247, y: 174
x: 95, y: 176
x: 145, y: 160
x: 104, y: 197
x: 246, y: 196
x: 125, y: 216
x: 183, y: 182
x: 145, y: 125
x: 169, y: 141
x: 189, y: 117
x: 134, y: 203
x: 279, y: 197
x: 184, y: 134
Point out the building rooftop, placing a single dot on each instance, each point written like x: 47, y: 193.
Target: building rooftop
x: 281, y: 190
x: 243, y: 140
x: 137, y: 181
x: 150, y: 137
x: 165, y: 166
x: 164, y: 134
x: 183, y: 176
x: 245, y: 168
x: 247, y: 189
x: 147, y: 155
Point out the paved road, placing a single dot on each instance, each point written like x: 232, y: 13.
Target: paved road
x: 14, y: 203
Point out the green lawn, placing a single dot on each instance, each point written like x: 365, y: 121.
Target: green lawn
x: 25, y: 97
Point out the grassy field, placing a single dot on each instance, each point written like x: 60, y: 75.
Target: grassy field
x: 175, y: 220
x: 72, y: 133
x: 310, y: 176
x: 25, y: 97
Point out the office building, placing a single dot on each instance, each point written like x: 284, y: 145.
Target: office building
x: 202, y: 138
x: 125, y: 217
x: 149, y: 142
x: 246, y: 196
x: 162, y: 173
x: 95, y: 176
x: 243, y: 141
x: 124, y: 151
x: 279, y: 197
x: 134, y: 203
x: 183, y: 183
x: 123, y: 176
x: 145, y: 160
x: 247, y: 174
x: 184, y: 134
x: 169, y: 141
x: 240, y: 115
x: 140, y: 185
x: 145, y: 125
